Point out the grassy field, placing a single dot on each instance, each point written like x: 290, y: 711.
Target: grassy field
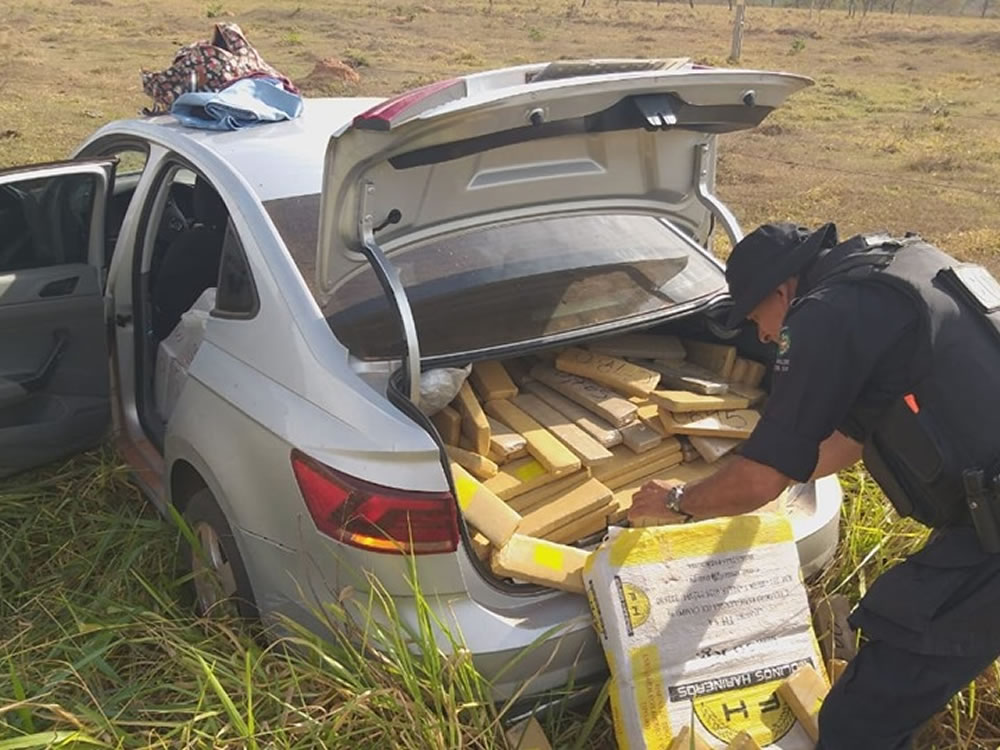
x: 901, y: 131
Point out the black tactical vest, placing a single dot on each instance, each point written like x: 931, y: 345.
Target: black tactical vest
x: 949, y: 420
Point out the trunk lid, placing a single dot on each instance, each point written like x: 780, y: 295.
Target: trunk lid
x: 531, y: 141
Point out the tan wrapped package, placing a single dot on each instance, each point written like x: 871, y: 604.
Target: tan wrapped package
x: 700, y: 624
x: 528, y: 735
x: 736, y: 423
x: 541, y: 562
x: 640, y: 346
x: 480, y: 466
x: 524, y: 502
x: 639, y: 437
x: 491, y: 381
x: 474, y: 424
x: 804, y: 692
x: 542, y: 444
x: 719, y: 358
x: 586, y: 447
x: 613, y: 372
x: 449, y: 425
x: 519, y: 477
x: 743, y: 741
x: 685, y: 401
x: 586, y: 420
x: 835, y: 668
x: 604, y: 402
x: 626, y: 460
x: 685, y: 376
x: 688, y: 740
x: 542, y: 520
x: 496, y: 520
x: 504, y: 442
x: 712, y: 449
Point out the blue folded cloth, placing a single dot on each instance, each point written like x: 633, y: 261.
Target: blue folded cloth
x: 249, y: 101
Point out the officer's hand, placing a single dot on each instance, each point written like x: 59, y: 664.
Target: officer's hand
x: 648, y: 507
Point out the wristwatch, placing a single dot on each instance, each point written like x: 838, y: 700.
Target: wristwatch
x: 673, y: 502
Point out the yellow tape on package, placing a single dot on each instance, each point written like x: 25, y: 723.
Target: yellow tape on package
x: 701, y: 623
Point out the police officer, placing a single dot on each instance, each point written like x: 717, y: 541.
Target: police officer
x: 886, y: 350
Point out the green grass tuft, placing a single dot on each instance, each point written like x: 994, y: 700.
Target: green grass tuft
x: 100, y: 647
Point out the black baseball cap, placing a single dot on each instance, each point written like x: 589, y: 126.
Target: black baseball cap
x: 766, y: 257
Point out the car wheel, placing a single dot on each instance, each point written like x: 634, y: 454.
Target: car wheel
x: 219, y: 581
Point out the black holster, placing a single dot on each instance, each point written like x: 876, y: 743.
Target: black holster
x: 981, y: 498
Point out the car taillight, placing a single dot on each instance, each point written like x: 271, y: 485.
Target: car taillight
x: 379, y: 519
x: 387, y: 114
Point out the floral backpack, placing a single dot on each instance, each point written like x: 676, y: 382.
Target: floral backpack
x: 208, y: 65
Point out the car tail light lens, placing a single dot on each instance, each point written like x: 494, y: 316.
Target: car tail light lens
x: 378, y: 519
x: 385, y: 115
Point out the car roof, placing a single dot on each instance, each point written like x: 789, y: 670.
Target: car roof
x: 278, y: 160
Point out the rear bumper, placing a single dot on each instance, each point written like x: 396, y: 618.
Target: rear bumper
x: 539, y: 643
x: 497, y: 639
x: 542, y: 643
x: 540, y: 646
x: 815, y: 520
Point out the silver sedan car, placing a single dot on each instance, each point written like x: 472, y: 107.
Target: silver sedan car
x: 268, y: 298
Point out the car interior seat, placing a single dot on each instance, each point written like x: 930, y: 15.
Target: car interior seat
x: 190, y: 263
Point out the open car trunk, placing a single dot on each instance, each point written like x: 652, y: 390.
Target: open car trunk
x: 573, y: 432
x: 517, y: 219
x: 567, y: 452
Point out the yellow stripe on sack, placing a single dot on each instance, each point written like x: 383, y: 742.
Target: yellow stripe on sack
x: 650, y: 700
x: 466, y: 487
x: 615, y: 699
x: 715, y: 537
x: 548, y: 556
x: 529, y: 471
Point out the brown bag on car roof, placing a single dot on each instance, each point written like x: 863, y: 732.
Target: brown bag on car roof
x: 208, y: 65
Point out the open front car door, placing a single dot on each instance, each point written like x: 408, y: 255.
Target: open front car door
x: 54, y: 377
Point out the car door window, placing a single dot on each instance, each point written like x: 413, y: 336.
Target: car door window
x: 45, y: 221
x: 236, y: 295
x: 131, y: 161
x: 130, y: 164
x: 54, y: 386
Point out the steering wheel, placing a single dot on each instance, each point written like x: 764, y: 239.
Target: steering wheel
x: 12, y: 246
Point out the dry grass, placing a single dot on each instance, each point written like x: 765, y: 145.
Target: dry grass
x: 902, y: 130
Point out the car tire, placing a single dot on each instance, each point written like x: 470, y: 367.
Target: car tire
x: 218, y: 580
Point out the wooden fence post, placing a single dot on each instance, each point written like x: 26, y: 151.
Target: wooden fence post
x: 737, y: 48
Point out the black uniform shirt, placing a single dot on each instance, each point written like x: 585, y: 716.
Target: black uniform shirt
x: 848, y: 349
x: 845, y: 352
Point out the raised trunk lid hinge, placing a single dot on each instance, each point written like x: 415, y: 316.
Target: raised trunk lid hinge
x: 388, y: 276
x: 708, y: 199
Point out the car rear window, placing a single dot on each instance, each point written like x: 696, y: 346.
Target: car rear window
x: 516, y: 282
